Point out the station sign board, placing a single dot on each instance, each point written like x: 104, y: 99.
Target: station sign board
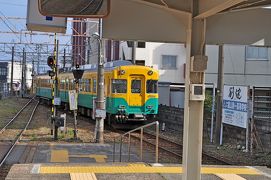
x: 235, y: 106
x: 37, y: 22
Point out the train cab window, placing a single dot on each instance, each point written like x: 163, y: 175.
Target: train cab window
x: 119, y: 86
x: 152, y: 86
x: 94, y: 85
x: 136, y: 86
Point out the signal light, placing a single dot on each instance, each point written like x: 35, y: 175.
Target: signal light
x: 50, y: 62
x: 77, y: 66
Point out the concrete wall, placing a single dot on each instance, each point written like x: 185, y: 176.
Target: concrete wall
x: 173, y: 119
x: 238, y: 70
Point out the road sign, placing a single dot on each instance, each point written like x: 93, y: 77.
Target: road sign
x: 73, y: 99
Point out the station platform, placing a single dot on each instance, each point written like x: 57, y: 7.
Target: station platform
x: 95, y: 161
x: 135, y: 171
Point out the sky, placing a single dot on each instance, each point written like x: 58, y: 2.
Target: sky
x: 18, y: 8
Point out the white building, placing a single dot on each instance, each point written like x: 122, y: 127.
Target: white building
x: 17, y: 73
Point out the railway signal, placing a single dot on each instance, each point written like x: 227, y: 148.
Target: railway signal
x: 50, y: 62
x: 77, y: 74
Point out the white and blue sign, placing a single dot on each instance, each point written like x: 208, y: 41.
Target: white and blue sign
x: 235, y: 106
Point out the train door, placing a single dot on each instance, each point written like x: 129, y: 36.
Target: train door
x: 137, y: 94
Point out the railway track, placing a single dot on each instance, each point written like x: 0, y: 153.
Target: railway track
x: 170, y: 148
x: 12, y: 132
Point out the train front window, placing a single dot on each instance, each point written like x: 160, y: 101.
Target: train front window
x: 119, y: 86
x: 152, y: 86
x: 136, y: 86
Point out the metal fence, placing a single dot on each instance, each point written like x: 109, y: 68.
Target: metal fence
x: 4, y: 90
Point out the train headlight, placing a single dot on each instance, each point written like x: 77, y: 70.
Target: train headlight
x: 121, y: 107
x: 150, y: 72
x: 122, y: 72
x: 149, y: 107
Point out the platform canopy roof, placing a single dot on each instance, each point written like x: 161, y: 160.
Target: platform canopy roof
x: 228, y: 21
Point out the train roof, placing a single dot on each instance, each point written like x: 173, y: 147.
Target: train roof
x: 109, y: 66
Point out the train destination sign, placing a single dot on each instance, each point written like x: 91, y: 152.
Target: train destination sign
x: 235, y: 106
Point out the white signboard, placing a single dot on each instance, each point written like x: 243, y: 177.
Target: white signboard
x: 37, y: 22
x: 235, y: 106
x: 73, y: 100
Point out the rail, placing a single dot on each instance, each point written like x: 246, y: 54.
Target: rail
x: 141, y: 128
x: 18, y: 138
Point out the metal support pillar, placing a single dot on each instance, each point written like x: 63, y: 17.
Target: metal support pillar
x: 193, y: 113
x: 220, y: 89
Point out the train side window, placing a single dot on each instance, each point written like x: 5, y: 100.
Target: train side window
x: 152, y: 86
x: 67, y: 84
x: 81, y: 85
x: 62, y: 84
x: 72, y: 86
x: 119, y: 86
x: 136, y: 86
x: 94, y: 86
x: 87, y: 85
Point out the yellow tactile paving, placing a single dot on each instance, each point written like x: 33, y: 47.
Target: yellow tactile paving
x: 243, y: 170
x: 83, y: 176
x: 139, y: 169
x: 98, y: 158
x: 230, y: 177
x: 59, y: 156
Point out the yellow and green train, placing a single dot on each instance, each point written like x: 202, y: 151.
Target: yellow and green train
x: 130, y: 91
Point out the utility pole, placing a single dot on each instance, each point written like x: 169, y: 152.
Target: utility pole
x: 32, y: 75
x: 100, y: 102
x: 134, y: 46
x: 23, y: 71
x: 220, y: 89
x: 55, y: 87
x: 12, y: 69
x: 64, y: 59
x: 38, y: 64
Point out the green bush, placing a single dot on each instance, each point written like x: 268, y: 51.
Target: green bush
x: 208, y: 102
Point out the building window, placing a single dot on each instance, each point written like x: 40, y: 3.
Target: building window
x: 169, y: 62
x: 3, y: 71
x: 256, y: 53
x: 139, y: 44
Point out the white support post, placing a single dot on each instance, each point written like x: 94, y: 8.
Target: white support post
x: 193, y: 113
